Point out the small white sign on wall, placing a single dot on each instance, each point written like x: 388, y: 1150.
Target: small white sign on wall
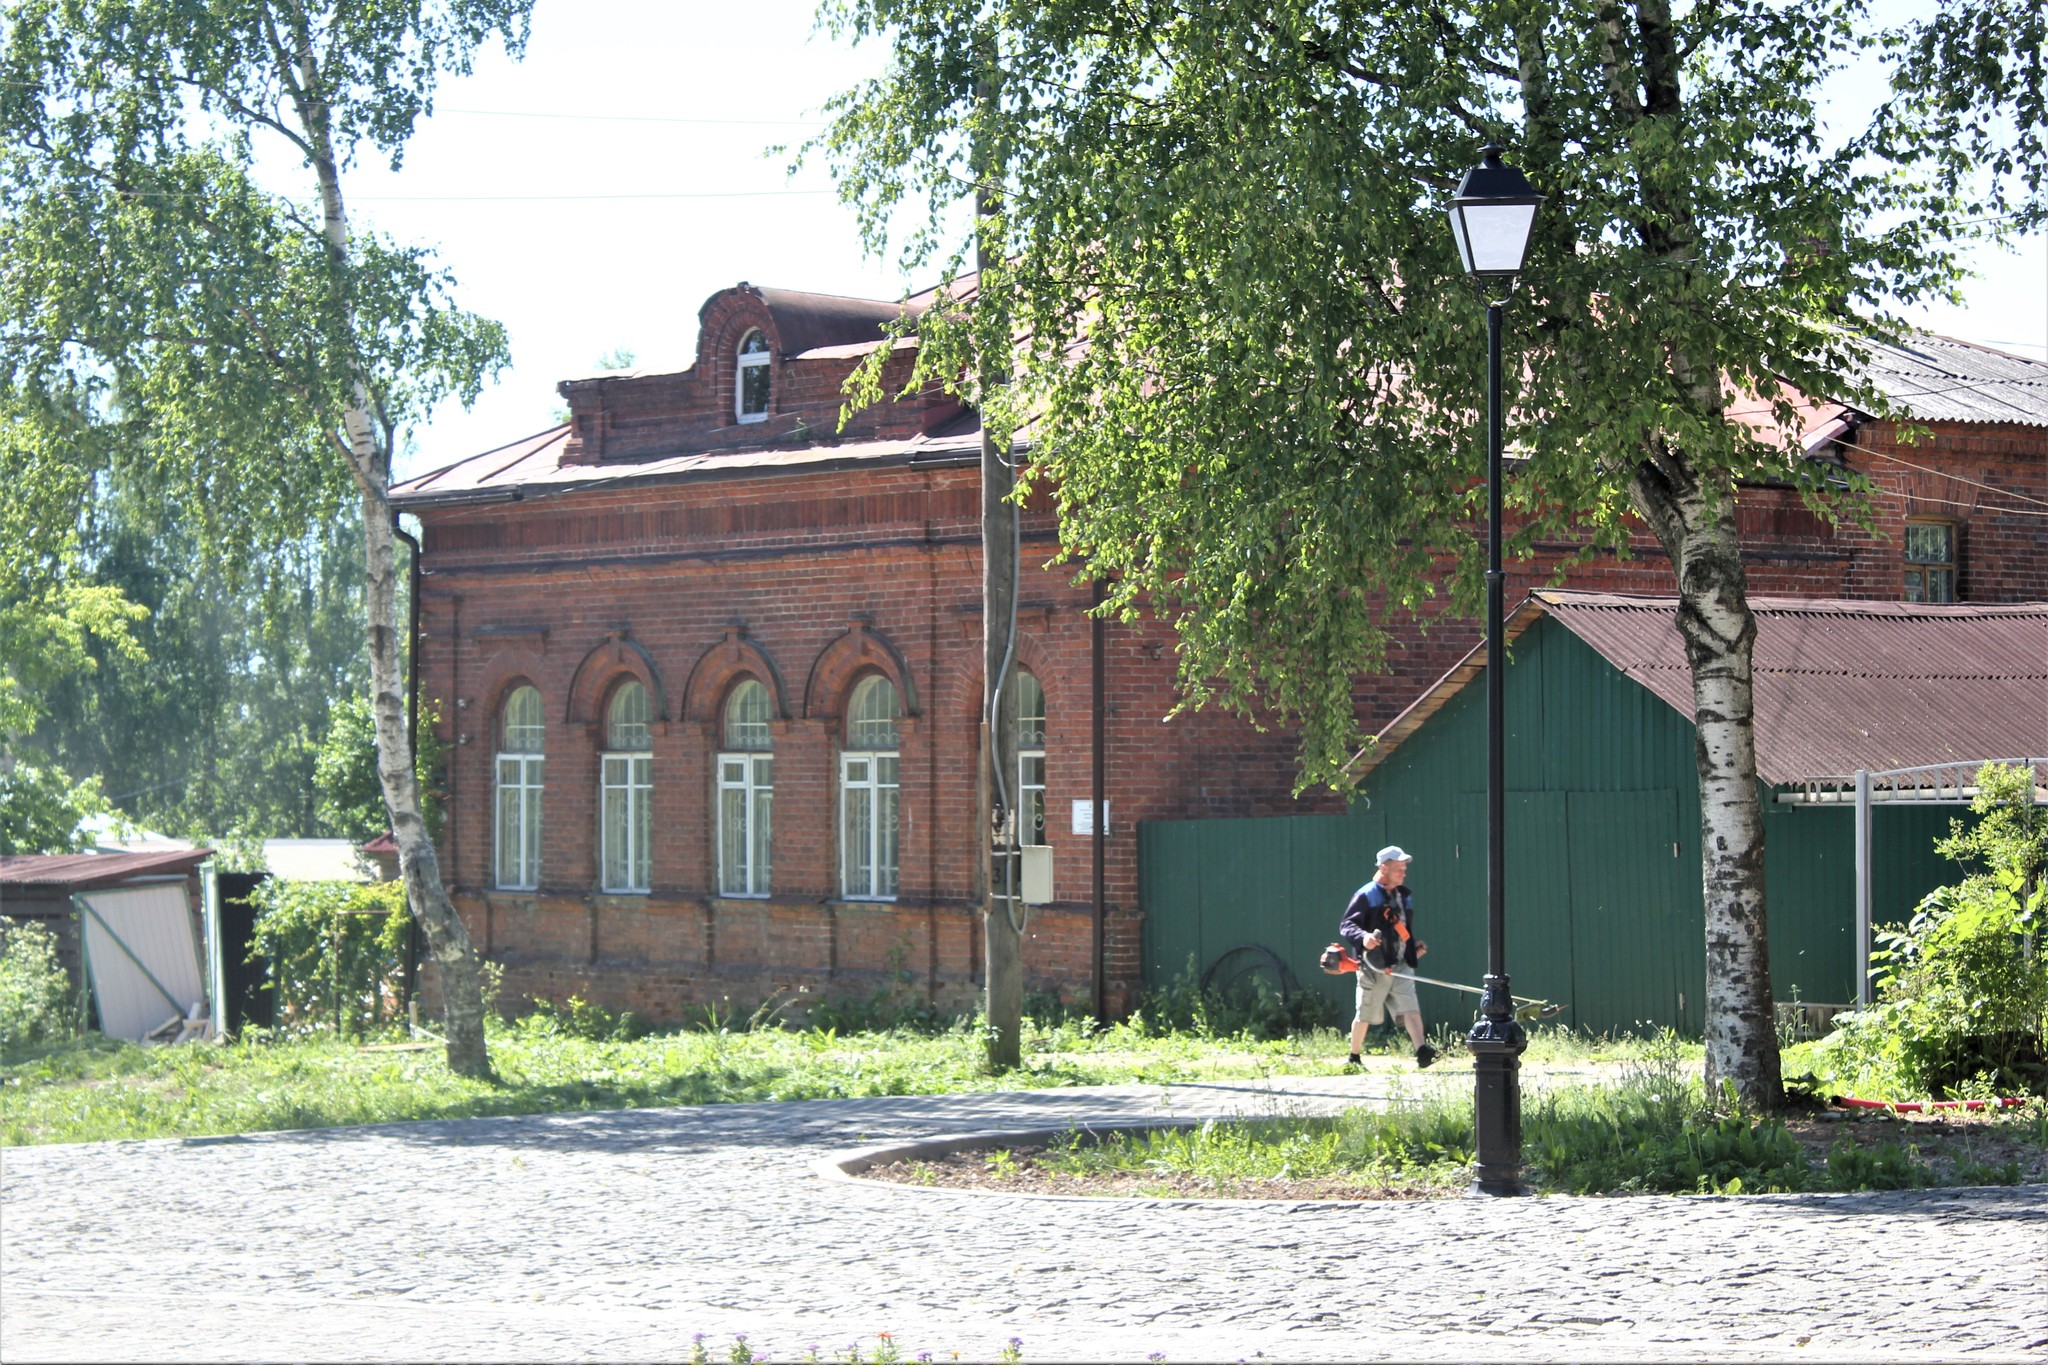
x: 1084, y: 817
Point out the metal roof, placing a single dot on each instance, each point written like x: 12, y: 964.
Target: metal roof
x: 534, y: 465
x: 80, y: 871
x: 1838, y: 685
x: 1940, y: 379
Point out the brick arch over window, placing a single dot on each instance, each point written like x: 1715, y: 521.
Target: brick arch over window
x: 602, y: 669
x: 860, y: 649
x: 718, y: 668
x: 960, y: 684
x: 503, y: 673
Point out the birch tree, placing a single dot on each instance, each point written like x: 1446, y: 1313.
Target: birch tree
x: 1253, y: 365
x: 255, y: 350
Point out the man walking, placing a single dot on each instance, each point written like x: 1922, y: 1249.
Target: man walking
x: 1378, y: 928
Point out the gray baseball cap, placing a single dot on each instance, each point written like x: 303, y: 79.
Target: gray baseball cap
x: 1393, y: 853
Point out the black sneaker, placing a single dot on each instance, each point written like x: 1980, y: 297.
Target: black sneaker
x: 1354, y: 1063
x: 1424, y: 1055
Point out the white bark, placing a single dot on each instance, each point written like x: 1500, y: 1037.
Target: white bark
x: 1696, y: 525
x: 367, y: 450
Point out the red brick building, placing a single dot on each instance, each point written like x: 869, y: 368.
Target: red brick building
x: 711, y: 664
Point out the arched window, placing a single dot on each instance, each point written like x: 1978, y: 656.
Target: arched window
x: 1030, y: 759
x: 515, y: 836
x: 750, y: 381
x: 626, y: 801
x: 746, y: 793
x: 867, y: 793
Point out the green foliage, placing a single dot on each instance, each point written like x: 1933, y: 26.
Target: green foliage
x: 1255, y: 1008
x: 37, y: 1002
x: 334, y: 951
x: 1962, y: 988
x: 1229, y: 307
x: 216, y: 729
x: 578, y: 1018
x: 41, y: 808
x: 351, y: 800
x: 1969, y: 84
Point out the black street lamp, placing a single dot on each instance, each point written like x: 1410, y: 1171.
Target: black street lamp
x: 1493, y: 216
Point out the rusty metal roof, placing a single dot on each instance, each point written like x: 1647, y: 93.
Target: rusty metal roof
x: 1839, y: 685
x: 82, y: 871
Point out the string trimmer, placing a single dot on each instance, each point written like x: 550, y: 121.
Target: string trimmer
x: 1337, y: 960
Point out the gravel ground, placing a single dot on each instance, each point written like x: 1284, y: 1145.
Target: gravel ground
x: 622, y: 1235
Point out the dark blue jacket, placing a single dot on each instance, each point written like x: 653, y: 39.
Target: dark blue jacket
x: 1374, y: 907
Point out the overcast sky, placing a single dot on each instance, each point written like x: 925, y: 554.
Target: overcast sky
x: 592, y: 196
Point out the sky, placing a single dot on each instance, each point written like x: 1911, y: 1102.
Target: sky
x: 593, y: 195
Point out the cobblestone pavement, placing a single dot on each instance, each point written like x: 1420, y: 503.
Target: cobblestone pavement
x: 621, y: 1235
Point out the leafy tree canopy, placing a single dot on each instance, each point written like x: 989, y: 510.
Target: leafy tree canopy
x: 1251, y: 364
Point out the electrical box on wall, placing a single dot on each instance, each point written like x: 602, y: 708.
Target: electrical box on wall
x: 1037, y: 874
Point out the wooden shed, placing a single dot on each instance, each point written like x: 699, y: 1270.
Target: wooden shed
x: 1604, y: 906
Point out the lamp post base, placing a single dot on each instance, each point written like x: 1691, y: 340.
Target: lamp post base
x: 1497, y: 1043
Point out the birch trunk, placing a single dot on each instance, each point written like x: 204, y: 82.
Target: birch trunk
x: 1692, y: 512
x: 1696, y: 526
x: 367, y: 447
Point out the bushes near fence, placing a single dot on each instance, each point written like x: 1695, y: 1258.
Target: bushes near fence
x: 335, y: 953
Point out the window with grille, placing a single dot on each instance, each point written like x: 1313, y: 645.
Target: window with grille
x: 1930, y: 561
x: 746, y: 793
x: 1030, y: 760
x: 750, y: 383
x: 626, y: 793
x: 515, y: 834
x: 868, y: 793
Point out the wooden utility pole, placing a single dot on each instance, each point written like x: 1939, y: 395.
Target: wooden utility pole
x: 1003, y: 912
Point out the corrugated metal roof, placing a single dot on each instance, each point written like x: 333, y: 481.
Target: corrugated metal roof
x: 806, y: 322
x: 1842, y: 685
x: 536, y: 464
x: 1940, y: 379
x: 1838, y: 685
x: 77, y: 871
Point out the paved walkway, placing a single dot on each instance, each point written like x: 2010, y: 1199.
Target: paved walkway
x: 619, y: 1236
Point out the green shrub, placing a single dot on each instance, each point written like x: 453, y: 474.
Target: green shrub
x: 1962, y: 991
x: 37, y: 1004
x: 1254, y: 1008
x: 578, y: 1018
x: 335, y: 952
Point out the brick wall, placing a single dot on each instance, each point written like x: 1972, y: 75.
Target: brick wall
x: 809, y: 577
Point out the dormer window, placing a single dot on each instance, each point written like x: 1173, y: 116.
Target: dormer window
x: 750, y: 383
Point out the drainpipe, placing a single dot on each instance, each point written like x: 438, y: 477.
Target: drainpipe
x: 1095, y: 662
x: 412, y: 723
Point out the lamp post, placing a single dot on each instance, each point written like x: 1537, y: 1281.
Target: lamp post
x: 1493, y: 217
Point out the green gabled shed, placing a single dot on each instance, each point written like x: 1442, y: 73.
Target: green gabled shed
x: 1603, y: 898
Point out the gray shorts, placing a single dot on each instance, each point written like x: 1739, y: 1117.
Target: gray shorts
x: 1380, y: 991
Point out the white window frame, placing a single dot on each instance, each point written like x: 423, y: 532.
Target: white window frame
x: 633, y: 774
x: 755, y: 786
x: 525, y: 790
x: 527, y: 766
x: 880, y: 836
x: 1030, y: 785
x: 630, y: 772
x: 748, y: 361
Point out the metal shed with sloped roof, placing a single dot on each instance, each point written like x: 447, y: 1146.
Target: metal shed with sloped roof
x: 1603, y: 899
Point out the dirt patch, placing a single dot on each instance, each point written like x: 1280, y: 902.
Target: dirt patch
x: 1973, y: 1142
x: 1943, y: 1139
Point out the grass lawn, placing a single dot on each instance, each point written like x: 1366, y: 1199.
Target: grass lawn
x: 1646, y: 1130
x: 95, y: 1090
